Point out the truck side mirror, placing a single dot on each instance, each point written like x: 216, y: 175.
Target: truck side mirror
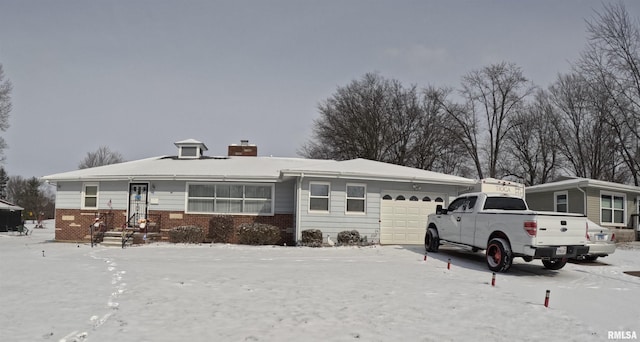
x: 440, y: 211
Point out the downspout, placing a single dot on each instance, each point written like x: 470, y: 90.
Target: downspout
x: 584, y: 200
x: 298, y: 210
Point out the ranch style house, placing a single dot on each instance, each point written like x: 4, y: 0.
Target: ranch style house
x: 385, y: 203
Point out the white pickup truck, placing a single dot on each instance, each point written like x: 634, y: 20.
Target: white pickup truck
x: 505, y: 228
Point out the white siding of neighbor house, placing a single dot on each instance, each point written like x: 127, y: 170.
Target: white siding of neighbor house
x: 163, y: 195
x: 368, y: 224
x: 543, y: 201
x: 593, y: 206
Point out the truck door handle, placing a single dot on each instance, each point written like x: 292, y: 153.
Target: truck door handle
x: 458, y: 218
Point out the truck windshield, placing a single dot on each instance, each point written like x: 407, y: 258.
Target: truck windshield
x: 504, y: 203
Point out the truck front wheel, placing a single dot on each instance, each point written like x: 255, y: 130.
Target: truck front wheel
x: 431, y: 240
x: 554, y: 264
x: 499, y: 257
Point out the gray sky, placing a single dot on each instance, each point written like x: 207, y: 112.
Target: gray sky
x: 137, y: 76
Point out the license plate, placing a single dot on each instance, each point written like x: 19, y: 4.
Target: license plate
x: 561, y: 250
x: 601, y: 237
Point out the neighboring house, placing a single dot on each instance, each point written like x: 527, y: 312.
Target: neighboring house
x: 611, y: 205
x: 10, y: 216
x: 386, y: 203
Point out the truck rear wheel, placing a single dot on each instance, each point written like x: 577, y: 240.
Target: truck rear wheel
x: 499, y: 257
x: 431, y: 240
x: 554, y: 264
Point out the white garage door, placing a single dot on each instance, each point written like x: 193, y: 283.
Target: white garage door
x: 403, y: 216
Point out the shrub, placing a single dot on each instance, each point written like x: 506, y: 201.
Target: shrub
x: 311, y: 238
x: 349, y: 237
x: 221, y: 229
x: 186, y: 234
x: 258, y: 234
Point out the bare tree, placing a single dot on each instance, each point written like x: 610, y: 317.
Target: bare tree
x: 587, y: 141
x: 5, y: 109
x: 404, y: 117
x: 532, y: 143
x: 353, y: 122
x: 380, y: 119
x: 495, y: 93
x: 102, y: 156
x: 480, y: 123
x: 461, y: 126
x: 611, y: 63
x: 439, y: 148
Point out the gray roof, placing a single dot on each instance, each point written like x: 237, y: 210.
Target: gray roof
x: 574, y: 183
x: 266, y: 169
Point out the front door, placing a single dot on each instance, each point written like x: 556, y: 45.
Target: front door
x: 137, y: 202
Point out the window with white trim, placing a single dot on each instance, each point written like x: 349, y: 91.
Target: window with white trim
x: 225, y: 198
x: 319, y: 196
x: 90, y: 196
x: 356, y: 198
x: 561, y: 201
x: 612, y: 208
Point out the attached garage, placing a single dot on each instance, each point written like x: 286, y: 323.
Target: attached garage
x: 403, y: 216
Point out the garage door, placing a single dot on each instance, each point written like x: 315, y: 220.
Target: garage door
x: 403, y: 216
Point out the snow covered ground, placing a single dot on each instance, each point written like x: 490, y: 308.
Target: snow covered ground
x: 163, y: 292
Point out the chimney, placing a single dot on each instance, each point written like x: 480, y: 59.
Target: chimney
x: 244, y: 149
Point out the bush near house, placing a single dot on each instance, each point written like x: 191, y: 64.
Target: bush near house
x: 186, y: 234
x: 221, y: 229
x: 258, y: 234
x: 311, y: 238
x: 349, y: 237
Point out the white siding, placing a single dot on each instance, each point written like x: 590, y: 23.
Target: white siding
x: 69, y: 195
x: 285, y: 197
x: 167, y: 195
x: 163, y: 195
x: 368, y: 224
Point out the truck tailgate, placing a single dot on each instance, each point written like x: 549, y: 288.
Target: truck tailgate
x: 558, y: 229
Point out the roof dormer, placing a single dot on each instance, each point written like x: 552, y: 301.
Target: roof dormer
x: 190, y: 149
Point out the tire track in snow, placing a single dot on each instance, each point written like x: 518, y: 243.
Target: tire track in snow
x: 118, y: 288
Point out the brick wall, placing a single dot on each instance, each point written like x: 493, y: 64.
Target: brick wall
x: 73, y: 224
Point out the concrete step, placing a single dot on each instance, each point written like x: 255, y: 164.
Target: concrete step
x: 114, y: 241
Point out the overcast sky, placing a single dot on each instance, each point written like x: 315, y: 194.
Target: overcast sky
x: 137, y: 76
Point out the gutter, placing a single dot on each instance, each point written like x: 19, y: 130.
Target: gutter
x: 364, y: 177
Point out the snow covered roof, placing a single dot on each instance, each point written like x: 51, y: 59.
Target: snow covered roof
x: 269, y: 169
x: 190, y: 142
x: 4, y: 205
x: 573, y: 183
x: 373, y: 170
